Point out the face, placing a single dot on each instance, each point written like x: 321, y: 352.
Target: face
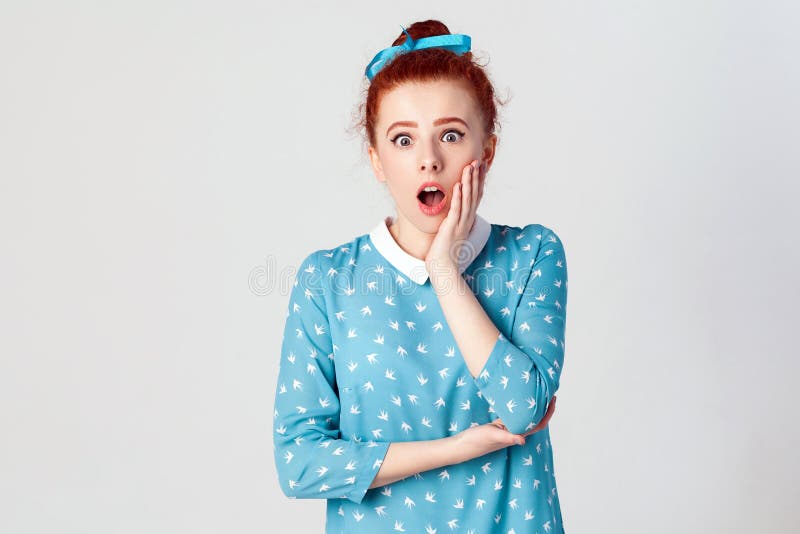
x: 427, y: 133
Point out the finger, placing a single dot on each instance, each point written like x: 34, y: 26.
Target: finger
x: 547, y: 415
x: 482, y: 183
x: 466, y: 197
x: 552, y: 406
x: 476, y: 182
x: 455, y: 206
x: 469, y: 217
x: 546, y: 419
x: 512, y: 439
x: 533, y: 430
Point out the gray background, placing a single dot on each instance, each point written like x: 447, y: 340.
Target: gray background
x: 165, y: 165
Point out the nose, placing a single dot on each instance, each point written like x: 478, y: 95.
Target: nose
x: 429, y: 161
x: 430, y: 164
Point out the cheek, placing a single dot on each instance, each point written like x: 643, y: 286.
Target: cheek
x: 397, y: 164
x: 401, y: 192
x: 399, y: 180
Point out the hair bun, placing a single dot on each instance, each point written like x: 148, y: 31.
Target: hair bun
x: 422, y: 29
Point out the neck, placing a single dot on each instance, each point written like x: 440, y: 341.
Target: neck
x: 410, y: 238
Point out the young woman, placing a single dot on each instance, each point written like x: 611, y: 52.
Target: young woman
x: 420, y: 361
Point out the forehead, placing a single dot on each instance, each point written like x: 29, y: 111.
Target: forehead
x: 427, y: 101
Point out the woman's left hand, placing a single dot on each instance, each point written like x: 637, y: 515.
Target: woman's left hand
x: 447, y: 246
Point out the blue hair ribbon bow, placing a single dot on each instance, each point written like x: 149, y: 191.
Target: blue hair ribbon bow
x: 458, y: 43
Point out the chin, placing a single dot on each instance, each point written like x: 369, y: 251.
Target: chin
x: 425, y: 223
x: 430, y: 224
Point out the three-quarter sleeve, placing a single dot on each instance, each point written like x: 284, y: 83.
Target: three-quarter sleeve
x: 522, y: 372
x: 312, y: 459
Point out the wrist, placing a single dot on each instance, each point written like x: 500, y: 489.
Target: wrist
x: 442, y: 273
x: 453, y: 448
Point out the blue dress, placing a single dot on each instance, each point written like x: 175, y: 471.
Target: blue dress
x: 367, y: 358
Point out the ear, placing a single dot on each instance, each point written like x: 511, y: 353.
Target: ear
x: 489, y: 147
x: 375, y: 160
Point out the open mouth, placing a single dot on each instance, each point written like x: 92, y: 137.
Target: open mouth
x: 430, y: 196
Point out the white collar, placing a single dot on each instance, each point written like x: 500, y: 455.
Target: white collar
x: 414, y: 268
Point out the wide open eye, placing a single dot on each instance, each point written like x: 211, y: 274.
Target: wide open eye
x: 400, y: 136
x: 449, y: 135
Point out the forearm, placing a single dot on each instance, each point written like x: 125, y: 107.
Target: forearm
x: 406, y: 458
x: 473, y: 330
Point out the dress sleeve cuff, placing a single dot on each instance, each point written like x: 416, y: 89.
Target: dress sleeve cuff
x: 370, y: 466
x: 498, y: 352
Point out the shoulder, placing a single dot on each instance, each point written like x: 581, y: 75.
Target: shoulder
x: 320, y: 265
x: 527, y: 240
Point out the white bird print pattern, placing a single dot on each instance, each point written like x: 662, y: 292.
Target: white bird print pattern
x: 347, y: 385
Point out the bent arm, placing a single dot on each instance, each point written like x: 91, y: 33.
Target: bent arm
x: 518, y: 375
x: 312, y: 459
x: 403, y: 459
x: 522, y: 373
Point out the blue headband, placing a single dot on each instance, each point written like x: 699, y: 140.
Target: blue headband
x: 458, y: 43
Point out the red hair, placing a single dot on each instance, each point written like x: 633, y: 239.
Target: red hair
x: 429, y: 64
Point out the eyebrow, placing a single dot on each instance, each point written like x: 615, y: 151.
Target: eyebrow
x: 437, y: 122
